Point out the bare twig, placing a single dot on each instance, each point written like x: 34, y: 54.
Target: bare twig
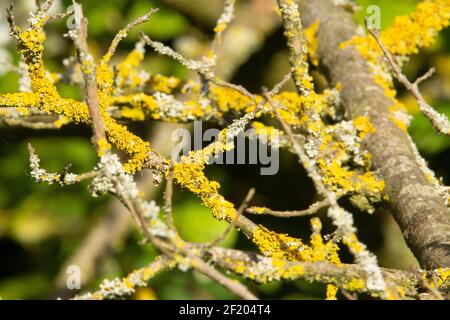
x: 348, y: 295
x: 439, y: 121
x: 232, y: 285
x: 289, y: 214
x: 44, y: 7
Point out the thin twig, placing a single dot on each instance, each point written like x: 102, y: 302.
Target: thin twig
x: 79, y: 37
x: 44, y: 7
x: 14, y: 30
x: 65, y: 178
x: 168, y: 199
x: 424, y: 284
x: 231, y: 226
x: 439, y: 121
x: 233, y: 285
x: 201, y: 67
x: 348, y: 295
x: 134, y: 206
x: 289, y: 214
x: 222, y: 23
x: 124, y: 32
x: 297, y: 45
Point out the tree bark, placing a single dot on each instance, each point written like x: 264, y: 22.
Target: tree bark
x: 415, y: 203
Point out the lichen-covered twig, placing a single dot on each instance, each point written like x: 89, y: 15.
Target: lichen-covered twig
x: 124, y: 32
x: 439, y: 121
x: 64, y: 179
x: 297, y: 45
x: 351, y: 277
x: 202, y: 67
x: 116, y: 181
x: 125, y: 287
x: 79, y: 37
x: 222, y: 23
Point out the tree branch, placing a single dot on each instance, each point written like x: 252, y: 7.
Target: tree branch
x: 439, y: 121
x: 416, y: 204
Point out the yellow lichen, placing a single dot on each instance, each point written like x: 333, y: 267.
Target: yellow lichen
x: 268, y: 132
x: 331, y: 292
x: 405, y: 37
x: 164, y: 84
x: 258, y: 210
x: 363, y: 125
x: 102, y: 147
x: 126, y: 70
x: 279, y: 246
x: 310, y: 35
x: 352, y: 242
x: 443, y: 276
x: 355, y: 284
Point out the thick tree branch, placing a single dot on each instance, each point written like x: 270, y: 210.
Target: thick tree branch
x: 416, y: 204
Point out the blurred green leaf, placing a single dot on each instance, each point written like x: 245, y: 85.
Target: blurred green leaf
x: 103, y: 16
x: 425, y: 136
x: 196, y: 223
x: 30, y: 286
x: 165, y: 24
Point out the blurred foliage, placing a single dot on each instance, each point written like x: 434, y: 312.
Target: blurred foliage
x: 41, y: 226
